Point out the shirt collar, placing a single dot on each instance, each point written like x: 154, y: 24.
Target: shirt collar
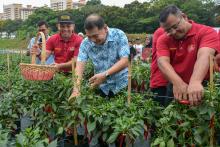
x: 192, y: 30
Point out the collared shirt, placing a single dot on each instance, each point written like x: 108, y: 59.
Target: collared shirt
x: 183, y: 52
x: 63, y: 50
x: 105, y: 56
x: 50, y: 59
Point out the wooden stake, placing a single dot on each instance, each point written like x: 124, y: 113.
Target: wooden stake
x: 9, y: 72
x: 211, y: 69
x: 129, y: 82
x: 211, y: 84
x: 73, y: 79
x: 8, y: 63
x: 75, y: 136
x: 21, y: 55
x: 73, y: 70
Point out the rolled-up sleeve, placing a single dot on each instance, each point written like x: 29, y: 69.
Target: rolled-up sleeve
x: 162, y: 46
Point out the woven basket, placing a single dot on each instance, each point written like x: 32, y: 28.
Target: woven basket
x: 37, y: 72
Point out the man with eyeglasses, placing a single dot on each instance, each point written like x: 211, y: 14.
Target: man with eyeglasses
x: 183, y: 53
x: 42, y: 26
x: 63, y: 45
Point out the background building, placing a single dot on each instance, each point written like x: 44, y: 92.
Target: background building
x: 217, y: 2
x: 79, y: 4
x: 16, y: 11
x: 12, y: 11
x: 58, y: 5
x: 25, y: 12
x: 1, y: 16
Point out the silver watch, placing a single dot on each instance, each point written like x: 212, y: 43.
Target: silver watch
x: 106, y: 74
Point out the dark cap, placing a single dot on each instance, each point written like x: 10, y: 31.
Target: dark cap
x: 65, y: 19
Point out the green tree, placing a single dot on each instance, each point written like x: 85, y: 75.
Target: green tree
x: 94, y: 2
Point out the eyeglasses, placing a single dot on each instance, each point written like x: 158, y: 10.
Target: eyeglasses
x: 174, y: 27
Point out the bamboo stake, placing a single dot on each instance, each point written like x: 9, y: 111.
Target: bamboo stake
x: 75, y: 136
x: 74, y: 129
x: 211, y: 70
x: 129, y: 82
x: 127, y: 141
x: 8, y: 63
x: 21, y: 55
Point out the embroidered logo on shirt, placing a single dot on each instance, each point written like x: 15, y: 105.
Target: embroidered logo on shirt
x: 72, y: 48
x: 57, y: 49
x: 173, y: 48
x: 191, y: 47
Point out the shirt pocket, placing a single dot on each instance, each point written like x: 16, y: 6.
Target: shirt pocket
x: 58, y: 51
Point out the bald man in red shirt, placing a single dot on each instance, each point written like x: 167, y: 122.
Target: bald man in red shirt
x: 217, y: 58
x: 183, y: 53
x: 158, y: 83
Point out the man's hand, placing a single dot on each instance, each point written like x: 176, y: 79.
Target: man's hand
x: 57, y: 66
x: 74, y: 94
x: 35, y: 49
x: 195, y: 92
x: 180, y: 90
x: 97, y: 79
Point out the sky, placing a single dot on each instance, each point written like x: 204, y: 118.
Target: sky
x: 39, y: 3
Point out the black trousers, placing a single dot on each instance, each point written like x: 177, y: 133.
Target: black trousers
x: 110, y: 94
x: 160, y: 95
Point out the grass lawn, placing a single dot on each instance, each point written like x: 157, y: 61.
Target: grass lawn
x: 13, y: 44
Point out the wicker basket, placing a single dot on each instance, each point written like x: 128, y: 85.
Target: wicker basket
x: 37, y: 72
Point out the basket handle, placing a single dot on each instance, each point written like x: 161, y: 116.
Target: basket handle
x: 43, y: 52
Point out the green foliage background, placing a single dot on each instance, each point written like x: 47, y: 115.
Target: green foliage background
x: 132, y: 18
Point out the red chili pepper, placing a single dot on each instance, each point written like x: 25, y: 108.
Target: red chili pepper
x: 48, y: 109
x: 121, y: 139
x: 184, y: 102
x: 145, y: 135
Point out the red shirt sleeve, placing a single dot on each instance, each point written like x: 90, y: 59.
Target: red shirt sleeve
x: 50, y: 44
x: 162, y: 46
x: 78, y: 43
x: 210, y: 39
x: 219, y: 41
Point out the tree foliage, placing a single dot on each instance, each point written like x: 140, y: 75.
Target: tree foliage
x: 135, y: 17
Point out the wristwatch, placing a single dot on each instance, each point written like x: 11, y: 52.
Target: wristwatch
x: 107, y: 74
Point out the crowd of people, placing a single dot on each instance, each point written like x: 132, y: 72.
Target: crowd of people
x: 178, y: 52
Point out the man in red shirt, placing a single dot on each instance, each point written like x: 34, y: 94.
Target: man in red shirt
x: 64, y: 45
x: 183, y: 53
x: 157, y: 81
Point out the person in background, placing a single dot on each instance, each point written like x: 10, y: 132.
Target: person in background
x: 42, y: 26
x: 81, y: 34
x: 132, y: 49
x: 158, y: 82
x: 63, y: 45
x: 139, y: 48
x: 146, y: 53
x: 217, y: 57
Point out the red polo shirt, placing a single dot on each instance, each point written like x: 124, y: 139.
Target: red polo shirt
x: 183, y: 53
x: 219, y: 38
x: 64, y: 51
x: 156, y: 77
